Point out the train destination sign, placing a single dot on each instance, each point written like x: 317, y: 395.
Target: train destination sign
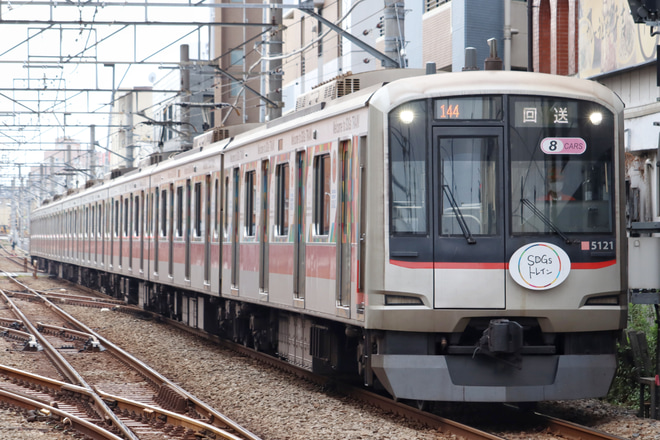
x: 468, y: 108
x: 539, y: 266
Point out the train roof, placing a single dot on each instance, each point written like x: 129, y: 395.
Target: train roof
x: 385, y: 90
x: 492, y: 81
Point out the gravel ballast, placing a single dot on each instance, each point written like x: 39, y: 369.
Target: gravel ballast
x: 277, y: 405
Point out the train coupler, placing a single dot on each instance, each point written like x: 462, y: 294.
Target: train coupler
x: 502, y: 340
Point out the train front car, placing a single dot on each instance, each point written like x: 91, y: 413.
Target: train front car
x: 503, y: 240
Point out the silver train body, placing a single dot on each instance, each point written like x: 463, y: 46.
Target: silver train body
x: 448, y: 237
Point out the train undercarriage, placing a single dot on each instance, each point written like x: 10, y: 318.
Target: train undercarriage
x: 512, y: 358
x: 312, y: 343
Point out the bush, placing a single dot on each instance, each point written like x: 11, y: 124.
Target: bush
x: 624, y: 389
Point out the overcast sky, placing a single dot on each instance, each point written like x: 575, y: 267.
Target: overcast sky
x: 66, y: 57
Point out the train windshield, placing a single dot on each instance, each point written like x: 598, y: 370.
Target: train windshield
x: 561, y: 166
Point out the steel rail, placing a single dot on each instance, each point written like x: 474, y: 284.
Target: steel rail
x: 152, y: 412
x: 385, y: 403
x: 125, y: 405
x: 27, y: 338
x: 82, y: 426
x: 64, y: 367
x: 573, y: 430
x: 74, y: 334
x: 215, y: 418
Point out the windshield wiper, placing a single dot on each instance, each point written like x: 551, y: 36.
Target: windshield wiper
x: 545, y: 220
x: 459, y: 215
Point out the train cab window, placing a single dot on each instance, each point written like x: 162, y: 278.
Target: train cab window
x: 561, y: 166
x: 322, y: 177
x: 408, y: 179
x: 250, y: 204
x: 282, y: 199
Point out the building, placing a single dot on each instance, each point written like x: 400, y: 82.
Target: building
x: 621, y: 54
x: 412, y: 34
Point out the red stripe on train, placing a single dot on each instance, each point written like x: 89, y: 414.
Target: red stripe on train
x: 490, y: 266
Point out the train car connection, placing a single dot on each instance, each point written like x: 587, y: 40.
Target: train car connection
x: 448, y: 237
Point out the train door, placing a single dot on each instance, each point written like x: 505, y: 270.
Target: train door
x: 344, y: 232
x: 263, y: 218
x: 468, y: 219
x: 299, y: 225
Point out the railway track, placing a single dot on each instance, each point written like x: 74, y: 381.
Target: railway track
x: 125, y: 397
x: 551, y: 427
x: 18, y: 259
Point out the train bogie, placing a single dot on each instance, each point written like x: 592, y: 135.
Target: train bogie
x: 413, y: 233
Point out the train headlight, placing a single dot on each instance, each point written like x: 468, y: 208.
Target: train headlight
x: 406, y: 116
x: 596, y: 118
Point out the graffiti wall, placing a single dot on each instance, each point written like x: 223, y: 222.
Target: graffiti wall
x: 609, y: 39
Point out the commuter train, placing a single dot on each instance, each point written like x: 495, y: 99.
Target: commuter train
x: 445, y: 237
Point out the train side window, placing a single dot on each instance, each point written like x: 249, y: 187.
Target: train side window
x: 216, y: 205
x: 116, y: 219
x: 179, y: 211
x: 198, y: 210
x: 136, y: 214
x: 126, y: 216
x: 147, y: 210
x: 163, y: 213
x: 322, y: 178
x: 282, y: 199
x: 250, y: 205
x: 155, y: 212
x: 225, y: 210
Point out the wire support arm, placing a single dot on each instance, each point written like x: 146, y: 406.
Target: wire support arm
x: 308, y: 8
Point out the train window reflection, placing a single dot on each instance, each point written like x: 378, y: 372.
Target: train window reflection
x: 163, y: 213
x: 322, y: 194
x: 408, y: 179
x: 250, y: 204
x: 469, y: 183
x: 198, y: 210
x: 561, y: 168
x: 179, y: 211
x: 282, y: 200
